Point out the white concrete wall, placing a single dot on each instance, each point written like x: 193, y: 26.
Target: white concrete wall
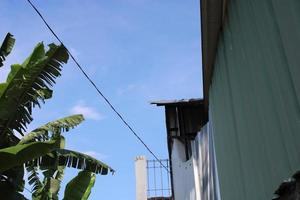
x: 141, y: 177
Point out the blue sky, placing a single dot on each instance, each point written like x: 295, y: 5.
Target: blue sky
x: 136, y: 51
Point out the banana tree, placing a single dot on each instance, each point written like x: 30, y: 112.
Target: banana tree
x: 42, y: 150
x: 53, y: 164
x: 11, y: 169
x: 26, y: 86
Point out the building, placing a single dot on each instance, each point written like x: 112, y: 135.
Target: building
x: 191, y: 150
x: 252, y: 92
x: 152, y: 179
x: 241, y: 141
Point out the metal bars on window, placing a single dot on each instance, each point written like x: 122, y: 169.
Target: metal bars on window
x: 158, y: 181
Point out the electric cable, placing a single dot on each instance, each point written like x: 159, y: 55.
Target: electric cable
x: 96, y: 88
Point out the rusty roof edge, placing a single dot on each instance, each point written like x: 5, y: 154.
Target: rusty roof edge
x: 191, y: 101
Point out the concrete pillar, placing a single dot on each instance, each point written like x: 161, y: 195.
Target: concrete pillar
x: 141, y: 177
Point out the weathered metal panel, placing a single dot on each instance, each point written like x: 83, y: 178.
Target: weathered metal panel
x: 196, y: 178
x: 255, y: 98
x: 204, y: 161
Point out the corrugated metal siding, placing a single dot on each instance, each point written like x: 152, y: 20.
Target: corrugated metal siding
x: 204, y: 160
x: 255, y: 98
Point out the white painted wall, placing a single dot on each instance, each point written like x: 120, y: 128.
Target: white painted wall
x: 183, y: 174
x: 141, y: 177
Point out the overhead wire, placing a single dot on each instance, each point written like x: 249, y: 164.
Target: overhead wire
x: 97, y: 88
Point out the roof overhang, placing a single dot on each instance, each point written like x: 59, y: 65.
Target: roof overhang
x: 189, y: 111
x: 212, y: 20
x: 181, y: 102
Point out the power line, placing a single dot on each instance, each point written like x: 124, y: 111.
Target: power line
x: 96, y: 87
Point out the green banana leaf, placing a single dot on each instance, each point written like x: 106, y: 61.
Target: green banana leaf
x: 21, y: 153
x: 55, y: 128
x: 12, y: 183
x: 29, y: 84
x: 6, y: 47
x: 73, y: 159
x: 79, y: 188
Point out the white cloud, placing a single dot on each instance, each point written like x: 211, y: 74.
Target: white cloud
x: 127, y: 89
x: 88, y: 112
x: 95, y: 154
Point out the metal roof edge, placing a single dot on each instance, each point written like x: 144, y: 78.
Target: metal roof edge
x: 192, y: 101
x: 212, y: 20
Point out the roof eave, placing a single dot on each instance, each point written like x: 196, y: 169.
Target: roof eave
x: 181, y: 102
x: 212, y: 20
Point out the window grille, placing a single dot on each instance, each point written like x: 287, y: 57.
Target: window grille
x: 159, y: 184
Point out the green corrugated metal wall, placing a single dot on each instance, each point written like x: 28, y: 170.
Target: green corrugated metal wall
x: 255, y: 98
